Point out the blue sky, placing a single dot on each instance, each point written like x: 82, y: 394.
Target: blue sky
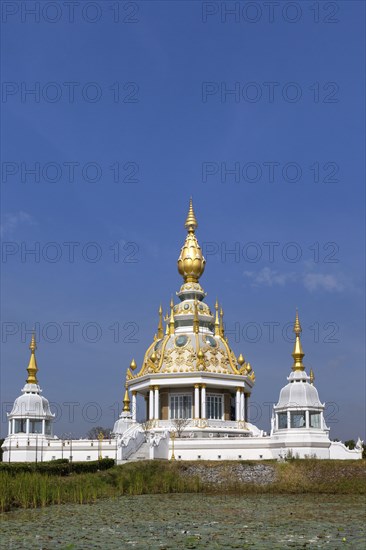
x: 150, y: 106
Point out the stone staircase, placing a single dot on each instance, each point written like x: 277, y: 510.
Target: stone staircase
x: 143, y: 453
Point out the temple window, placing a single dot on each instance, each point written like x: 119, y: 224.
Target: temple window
x: 20, y: 426
x: 48, y: 428
x: 180, y: 406
x: 314, y: 420
x: 35, y: 426
x: 298, y: 419
x: 282, y: 420
x: 214, y: 407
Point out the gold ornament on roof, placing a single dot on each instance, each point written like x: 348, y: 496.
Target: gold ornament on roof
x: 126, y: 401
x: 312, y: 377
x: 191, y: 263
x: 133, y: 365
x: 32, y: 365
x: 217, y: 322
x: 241, y: 360
x: 297, y: 353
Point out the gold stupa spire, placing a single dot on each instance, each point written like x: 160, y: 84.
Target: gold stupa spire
x: 217, y: 322
x: 196, y: 324
x: 160, y: 332
x: 126, y: 401
x: 191, y: 263
x: 222, y: 322
x: 171, y: 321
x: 298, y: 353
x: 32, y: 366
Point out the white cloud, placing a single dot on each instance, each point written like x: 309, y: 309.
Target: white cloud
x: 320, y: 281
x: 311, y: 281
x: 13, y: 221
x: 269, y: 277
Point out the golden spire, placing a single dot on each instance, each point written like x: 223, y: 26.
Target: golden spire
x: 126, y: 401
x: 191, y: 222
x: 312, y: 377
x: 217, y: 322
x: 160, y: 332
x: 32, y: 366
x: 221, y: 322
x: 191, y: 263
x: 298, y: 353
x: 196, y: 324
x: 241, y: 360
x: 171, y: 321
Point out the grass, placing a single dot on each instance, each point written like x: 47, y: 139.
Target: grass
x: 31, y: 490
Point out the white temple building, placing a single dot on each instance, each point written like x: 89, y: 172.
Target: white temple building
x: 197, y: 394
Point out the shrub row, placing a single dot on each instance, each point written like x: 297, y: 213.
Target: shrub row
x: 61, y: 467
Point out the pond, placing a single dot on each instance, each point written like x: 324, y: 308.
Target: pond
x: 192, y: 521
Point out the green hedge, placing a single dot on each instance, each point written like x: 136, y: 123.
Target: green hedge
x: 61, y: 467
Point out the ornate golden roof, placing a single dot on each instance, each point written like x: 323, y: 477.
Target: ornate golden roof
x: 194, y: 339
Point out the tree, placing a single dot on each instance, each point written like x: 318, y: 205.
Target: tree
x: 180, y: 425
x: 350, y: 443
x: 94, y: 432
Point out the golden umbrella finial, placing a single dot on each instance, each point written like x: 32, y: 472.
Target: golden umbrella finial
x: 297, y: 326
x: 32, y: 365
x: 160, y: 332
x: 191, y: 222
x: 297, y: 353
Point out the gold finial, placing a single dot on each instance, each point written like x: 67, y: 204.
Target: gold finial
x: 222, y: 323
x: 217, y: 322
x: 32, y: 365
x: 160, y: 332
x: 171, y: 321
x: 133, y: 365
x: 312, y: 377
x: 126, y: 401
x: 153, y: 357
x: 196, y: 324
x: 191, y: 263
x: 241, y: 360
x: 297, y: 326
x: 191, y: 222
x: 297, y: 353
x: 249, y: 367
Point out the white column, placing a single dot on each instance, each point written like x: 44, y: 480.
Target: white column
x: 242, y: 405
x: 307, y: 419
x: 246, y: 407
x: 27, y: 426
x: 203, y: 401
x: 43, y: 426
x: 276, y: 420
x: 151, y: 403
x: 288, y: 419
x: 196, y: 401
x: 134, y: 406
x: 156, y: 400
x: 9, y: 427
x: 237, y: 404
